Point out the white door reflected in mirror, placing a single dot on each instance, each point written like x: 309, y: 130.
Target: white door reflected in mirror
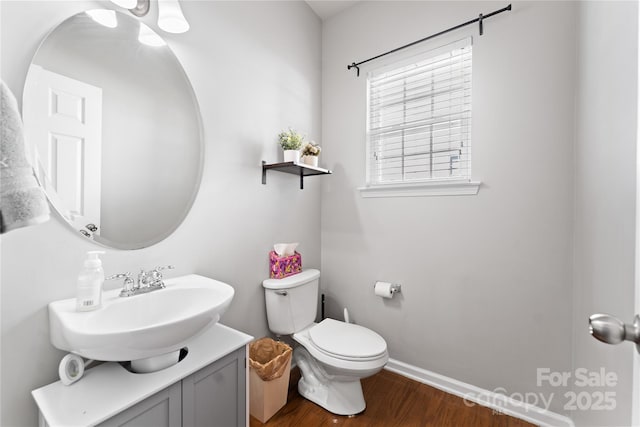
x: 65, y: 122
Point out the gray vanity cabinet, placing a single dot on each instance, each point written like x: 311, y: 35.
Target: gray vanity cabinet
x: 163, y: 409
x: 208, y: 388
x: 214, y: 396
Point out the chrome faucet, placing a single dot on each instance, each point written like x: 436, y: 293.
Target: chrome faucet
x: 148, y: 281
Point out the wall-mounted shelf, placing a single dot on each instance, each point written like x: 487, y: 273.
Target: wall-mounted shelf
x: 298, y: 169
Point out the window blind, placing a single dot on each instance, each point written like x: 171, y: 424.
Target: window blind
x: 419, y: 118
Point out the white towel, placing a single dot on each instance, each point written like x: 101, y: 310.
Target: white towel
x: 22, y: 201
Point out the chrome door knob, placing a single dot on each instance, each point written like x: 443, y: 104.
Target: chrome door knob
x: 606, y: 328
x: 612, y: 330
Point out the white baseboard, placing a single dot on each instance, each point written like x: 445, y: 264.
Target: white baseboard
x: 477, y: 395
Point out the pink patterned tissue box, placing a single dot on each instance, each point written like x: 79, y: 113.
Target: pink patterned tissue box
x: 283, y: 266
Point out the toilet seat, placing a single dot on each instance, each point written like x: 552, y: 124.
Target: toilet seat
x: 347, y: 341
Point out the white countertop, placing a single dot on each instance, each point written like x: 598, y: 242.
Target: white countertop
x: 109, y: 389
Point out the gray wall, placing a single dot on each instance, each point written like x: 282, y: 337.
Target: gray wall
x: 252, y: 77
x: 605, y: 177
x: 487, y: 279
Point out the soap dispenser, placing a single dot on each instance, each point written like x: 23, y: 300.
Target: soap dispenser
x: 90, y: 280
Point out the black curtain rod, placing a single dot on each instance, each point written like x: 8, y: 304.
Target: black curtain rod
x: 479, y: 19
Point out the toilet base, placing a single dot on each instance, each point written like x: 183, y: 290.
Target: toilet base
x: 340, y: 398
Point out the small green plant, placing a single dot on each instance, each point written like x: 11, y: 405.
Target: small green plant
x: 290, y: 140
x: 311, y: 149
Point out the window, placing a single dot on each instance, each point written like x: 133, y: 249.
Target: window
x: 419, y: 120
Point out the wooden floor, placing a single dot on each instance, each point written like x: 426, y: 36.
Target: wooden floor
x: 392, y: 400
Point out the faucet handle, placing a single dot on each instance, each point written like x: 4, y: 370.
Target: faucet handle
x: 156, y: 275
x: 128, y: 283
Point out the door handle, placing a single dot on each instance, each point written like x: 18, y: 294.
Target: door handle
x: 612, y: 330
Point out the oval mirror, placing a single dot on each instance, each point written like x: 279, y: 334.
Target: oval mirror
x: 113, y: 128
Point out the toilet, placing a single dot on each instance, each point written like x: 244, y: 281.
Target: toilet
x: 332, y: 355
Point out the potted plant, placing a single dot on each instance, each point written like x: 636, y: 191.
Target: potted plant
x: 291, y: 141
x: 310, y: 153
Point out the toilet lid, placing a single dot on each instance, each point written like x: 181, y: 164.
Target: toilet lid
x: 347, y: 339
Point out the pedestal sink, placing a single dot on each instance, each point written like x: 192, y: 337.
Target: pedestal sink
x: 141, y: 326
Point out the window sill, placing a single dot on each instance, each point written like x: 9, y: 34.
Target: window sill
x: 439, y: 188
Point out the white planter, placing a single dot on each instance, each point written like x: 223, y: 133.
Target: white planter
x: 310, y: 160
x: 292, y: 156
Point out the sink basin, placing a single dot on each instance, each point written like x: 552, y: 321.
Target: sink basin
x: 141, y: 326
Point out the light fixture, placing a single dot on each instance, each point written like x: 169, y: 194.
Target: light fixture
x: 149, y: 37
x: 104, y: 17
x: 141, y: 9
x: 170, y: 17
x: 127, y: 4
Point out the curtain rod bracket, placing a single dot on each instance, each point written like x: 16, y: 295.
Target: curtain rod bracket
x: 354, y: 65
x: 480, y: 24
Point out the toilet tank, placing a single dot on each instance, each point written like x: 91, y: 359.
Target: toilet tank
x: 292, y: 302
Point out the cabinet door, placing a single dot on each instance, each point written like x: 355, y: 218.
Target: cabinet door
x: 216, y: 395
x: 163, y: 409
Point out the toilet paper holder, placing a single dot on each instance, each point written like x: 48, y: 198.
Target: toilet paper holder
x: 395, y: 288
